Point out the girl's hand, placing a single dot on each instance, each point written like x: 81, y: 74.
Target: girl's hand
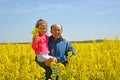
x: 36, y: 39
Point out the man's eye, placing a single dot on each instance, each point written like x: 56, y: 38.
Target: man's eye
x: 56, y: 30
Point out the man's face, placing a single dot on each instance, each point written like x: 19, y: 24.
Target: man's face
x: 56, y: 31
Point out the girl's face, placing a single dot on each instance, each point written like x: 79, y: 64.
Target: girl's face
x: 42, y: 29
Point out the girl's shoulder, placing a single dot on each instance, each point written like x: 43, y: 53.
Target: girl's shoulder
x: 47, y: 36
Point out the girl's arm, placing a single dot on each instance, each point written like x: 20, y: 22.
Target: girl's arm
x: 35, y: 43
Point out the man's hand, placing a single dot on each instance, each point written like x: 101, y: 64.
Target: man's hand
x: 48, y: 62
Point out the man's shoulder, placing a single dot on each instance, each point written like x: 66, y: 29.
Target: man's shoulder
x: 66, y: 42
x: 63, y: 39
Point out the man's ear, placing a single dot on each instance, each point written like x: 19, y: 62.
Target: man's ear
x: 62, y: 31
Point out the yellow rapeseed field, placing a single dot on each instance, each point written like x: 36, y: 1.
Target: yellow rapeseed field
x: 93, y: 61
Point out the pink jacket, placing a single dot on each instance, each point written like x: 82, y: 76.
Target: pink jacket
x: 41, y: 47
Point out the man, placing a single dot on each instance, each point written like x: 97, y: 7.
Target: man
x: 58, y: 47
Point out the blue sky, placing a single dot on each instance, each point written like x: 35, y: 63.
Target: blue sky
x: 81, y: 19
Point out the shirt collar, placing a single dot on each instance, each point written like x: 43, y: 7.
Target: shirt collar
x: 58, y: 40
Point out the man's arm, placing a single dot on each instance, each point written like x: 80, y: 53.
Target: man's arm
x: 70, y: 48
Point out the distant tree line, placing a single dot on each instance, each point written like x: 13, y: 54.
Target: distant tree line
x: 87, y: 41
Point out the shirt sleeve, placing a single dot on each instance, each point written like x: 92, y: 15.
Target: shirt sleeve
x: 64, y: 58
x: 70, y: 48
x: 34, y: 44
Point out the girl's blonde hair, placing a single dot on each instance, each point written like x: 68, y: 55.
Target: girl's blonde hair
x: 41, y: 22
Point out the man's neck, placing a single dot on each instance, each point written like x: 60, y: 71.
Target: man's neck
x: 57, y: 38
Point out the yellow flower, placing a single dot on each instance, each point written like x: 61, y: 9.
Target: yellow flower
x: 35, y: 32
x: 56, y: 69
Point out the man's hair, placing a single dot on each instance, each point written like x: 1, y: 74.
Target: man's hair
x: 56, y: 24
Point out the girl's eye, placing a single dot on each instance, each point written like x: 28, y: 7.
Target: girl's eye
x: 42, y: 28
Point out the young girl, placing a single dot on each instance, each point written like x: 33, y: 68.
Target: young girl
x: 40, y: 42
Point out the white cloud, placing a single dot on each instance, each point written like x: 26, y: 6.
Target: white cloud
x: 103, y: 6
x: 42, y: 8
x: 108, y: 11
